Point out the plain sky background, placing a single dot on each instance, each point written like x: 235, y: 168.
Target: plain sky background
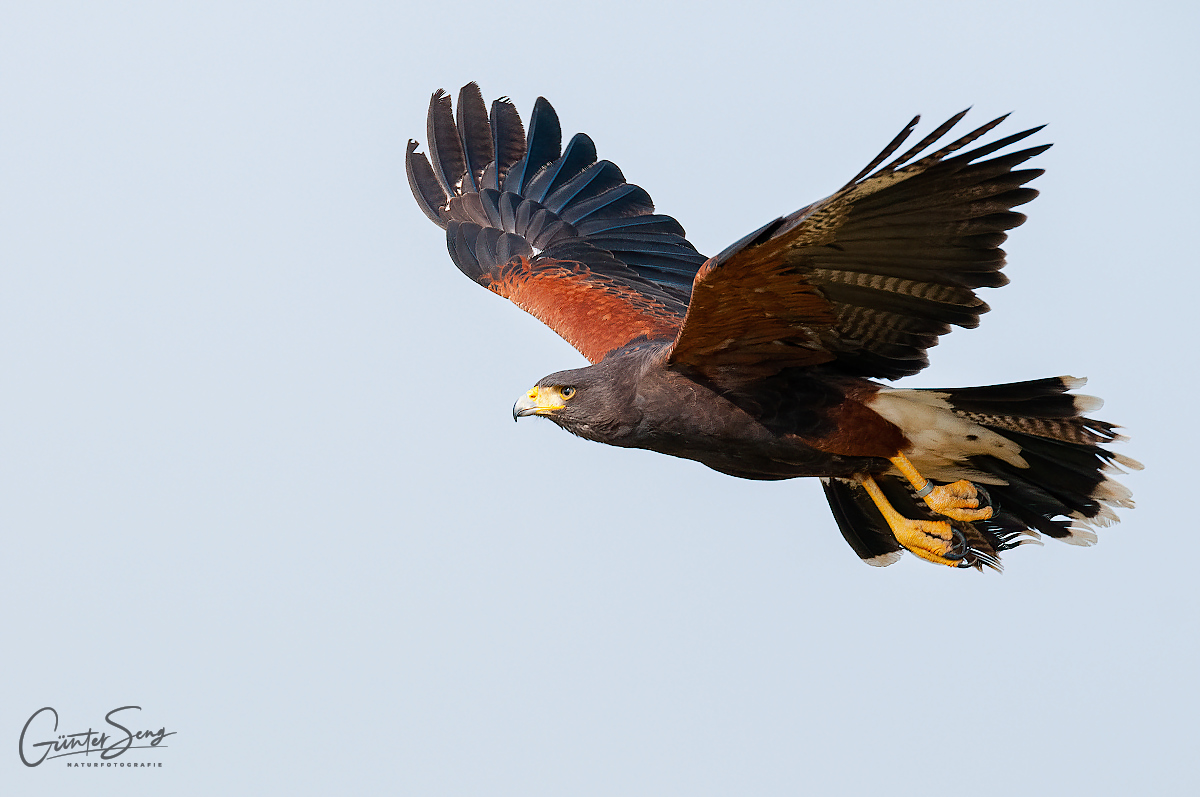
x: 258, y: 474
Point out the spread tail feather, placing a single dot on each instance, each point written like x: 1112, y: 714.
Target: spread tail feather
x: 1051, y: 474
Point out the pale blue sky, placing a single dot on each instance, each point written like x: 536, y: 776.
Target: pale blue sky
x: 258, y: 474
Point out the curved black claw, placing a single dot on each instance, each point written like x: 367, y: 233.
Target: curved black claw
x: 960, y: 550
x: 985, y: 499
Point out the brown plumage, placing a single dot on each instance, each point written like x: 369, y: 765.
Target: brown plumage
x: 594, y: 313
x: 759, y: 362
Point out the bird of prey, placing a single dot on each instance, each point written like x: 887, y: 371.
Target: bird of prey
x: 761, y: 362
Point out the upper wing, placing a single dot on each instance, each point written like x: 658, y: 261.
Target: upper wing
x: 869, y: 278
x: 559, y: 233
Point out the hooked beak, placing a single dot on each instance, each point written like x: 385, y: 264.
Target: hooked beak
x: 537, y: 402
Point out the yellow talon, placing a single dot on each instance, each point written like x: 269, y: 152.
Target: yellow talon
x: 958, y: 501
x: 932, y: 540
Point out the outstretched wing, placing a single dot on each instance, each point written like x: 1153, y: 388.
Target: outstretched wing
x: 870, y: 277
x: 556, y: 231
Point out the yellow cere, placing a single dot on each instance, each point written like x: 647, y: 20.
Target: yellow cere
x: 546, y: 399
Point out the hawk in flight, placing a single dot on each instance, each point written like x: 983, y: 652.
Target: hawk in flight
x: 761, y: 362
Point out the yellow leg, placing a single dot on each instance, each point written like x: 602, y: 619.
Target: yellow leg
x: 958, y: 500
x: 931, y: 540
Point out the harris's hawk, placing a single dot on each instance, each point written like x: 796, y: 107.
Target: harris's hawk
x: 760, y: 362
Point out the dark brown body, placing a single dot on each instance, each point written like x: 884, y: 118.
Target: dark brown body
x: 782, y: 427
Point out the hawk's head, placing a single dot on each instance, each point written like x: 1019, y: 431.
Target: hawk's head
x: 593, y: 402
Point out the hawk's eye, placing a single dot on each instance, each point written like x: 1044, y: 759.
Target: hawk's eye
x: 567, y: 392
